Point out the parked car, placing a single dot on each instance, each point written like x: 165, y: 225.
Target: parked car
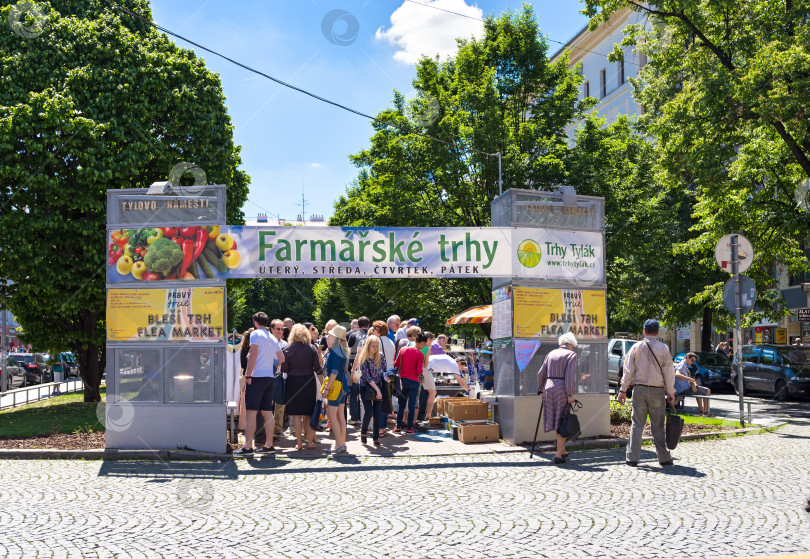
x: 11, y: 375
x: 711, y: 369
x: 783, y: 370
x: 35, y: 366
x: 617, y: 351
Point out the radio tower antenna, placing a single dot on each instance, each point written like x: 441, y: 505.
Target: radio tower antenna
x: 303, y: 203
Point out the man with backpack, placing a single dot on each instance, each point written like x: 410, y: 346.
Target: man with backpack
x: 356, y: 340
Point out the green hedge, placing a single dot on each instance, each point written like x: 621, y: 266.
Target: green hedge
x: 620, y: 413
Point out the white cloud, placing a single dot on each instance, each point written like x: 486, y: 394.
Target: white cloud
x: 419, y: 30
x: 314, y: 164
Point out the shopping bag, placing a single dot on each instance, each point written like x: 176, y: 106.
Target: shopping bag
x: 315, y: 420
x: 569, y: 422
x: 280, y: 390
x: 674, y: 428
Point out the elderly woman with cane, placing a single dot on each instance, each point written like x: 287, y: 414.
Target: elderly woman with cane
x: 557, y: 381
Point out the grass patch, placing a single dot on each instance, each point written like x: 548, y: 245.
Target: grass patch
x: 715, y: 421
x: 61, y: 414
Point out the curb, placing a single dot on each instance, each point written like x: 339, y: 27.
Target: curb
x: 190, y: 455
x: 593, y: 444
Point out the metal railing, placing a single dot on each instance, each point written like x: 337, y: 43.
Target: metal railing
x: 37, y: 392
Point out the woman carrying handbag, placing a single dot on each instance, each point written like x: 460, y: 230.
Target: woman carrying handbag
x: 372, y: 370
x: 557, y: 380
x: 336, y: 385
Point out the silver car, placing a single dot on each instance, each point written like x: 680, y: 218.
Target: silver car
x: 12, y: 375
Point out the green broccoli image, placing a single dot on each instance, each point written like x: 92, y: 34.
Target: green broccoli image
x: 163, y: 255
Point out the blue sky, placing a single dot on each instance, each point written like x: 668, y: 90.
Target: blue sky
x: 292, y: 142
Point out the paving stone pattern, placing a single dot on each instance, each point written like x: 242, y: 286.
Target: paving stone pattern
x: 723, y: 498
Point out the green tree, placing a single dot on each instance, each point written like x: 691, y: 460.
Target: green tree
x: 96, y: 101
x: 726, y: 96
x: 499, y: 93
x: 278, y: 298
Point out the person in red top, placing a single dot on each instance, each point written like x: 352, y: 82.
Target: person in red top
x: 409, y: 363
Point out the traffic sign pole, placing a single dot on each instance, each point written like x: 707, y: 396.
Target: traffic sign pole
x: 735, y: 269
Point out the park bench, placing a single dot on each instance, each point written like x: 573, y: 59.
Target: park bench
x: 679, y: 400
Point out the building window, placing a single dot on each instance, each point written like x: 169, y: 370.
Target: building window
x: 602, y: 84
x: 621, y: 72
x: 642, y: 60
x: 586, y: 90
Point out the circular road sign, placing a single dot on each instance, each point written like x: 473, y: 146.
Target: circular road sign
x: 745, y: 253
x: 748, y: 295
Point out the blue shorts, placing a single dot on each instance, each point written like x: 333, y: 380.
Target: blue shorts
x: 259, y: 394
x: 341, y: 399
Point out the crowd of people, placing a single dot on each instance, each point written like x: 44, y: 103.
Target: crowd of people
x: 365, y: 376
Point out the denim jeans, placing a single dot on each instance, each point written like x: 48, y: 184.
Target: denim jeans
x: 354, y: 402
x: 423, y: 398
x: 372, y: 410
x: 411, y: 390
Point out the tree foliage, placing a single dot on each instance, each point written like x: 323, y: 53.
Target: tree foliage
x: 727, y: 96
x: 97, y: 101
x: 500, y: 93
x: 278, y: 298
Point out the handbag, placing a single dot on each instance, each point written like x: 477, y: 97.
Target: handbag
x: 396, y: 385
x: 569, y: 422
x: 280, y: 390
x: 369, y: 393
x: 318, y: 389
x: 315, y: 420
x: 334, y: 390
x: 673, y: 429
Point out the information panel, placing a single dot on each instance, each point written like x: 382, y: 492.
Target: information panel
x: 548, y: 313
x: 193, y: 314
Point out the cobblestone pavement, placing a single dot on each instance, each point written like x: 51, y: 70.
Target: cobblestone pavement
x: 723, y: 498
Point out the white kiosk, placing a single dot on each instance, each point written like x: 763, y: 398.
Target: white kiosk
x: 165, y: 339
x: 529, y: 314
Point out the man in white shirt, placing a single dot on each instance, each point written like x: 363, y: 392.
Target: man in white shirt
x: 260, y: 374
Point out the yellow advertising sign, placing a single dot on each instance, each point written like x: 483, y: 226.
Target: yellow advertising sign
x: 189, y: 314
x: 781, y: 336
x: 548, y: 313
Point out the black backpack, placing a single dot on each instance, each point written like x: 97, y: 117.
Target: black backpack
x: 359, y: 341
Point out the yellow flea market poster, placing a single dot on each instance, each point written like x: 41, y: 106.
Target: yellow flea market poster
x: 189, y: 314
x: 548, y: 313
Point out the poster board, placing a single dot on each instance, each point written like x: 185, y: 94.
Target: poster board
x: 548, y: 313
x: 190, y: 314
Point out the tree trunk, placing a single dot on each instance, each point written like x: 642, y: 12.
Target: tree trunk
x: 91, y: 370
x: 706, y: 331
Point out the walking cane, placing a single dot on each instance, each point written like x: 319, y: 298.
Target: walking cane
x: 536, y: 429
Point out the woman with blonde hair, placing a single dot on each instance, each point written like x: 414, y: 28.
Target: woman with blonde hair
x: 336, y: 386
x: 372, y: 366
x: 557, y: 381
x: 301, y: 363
